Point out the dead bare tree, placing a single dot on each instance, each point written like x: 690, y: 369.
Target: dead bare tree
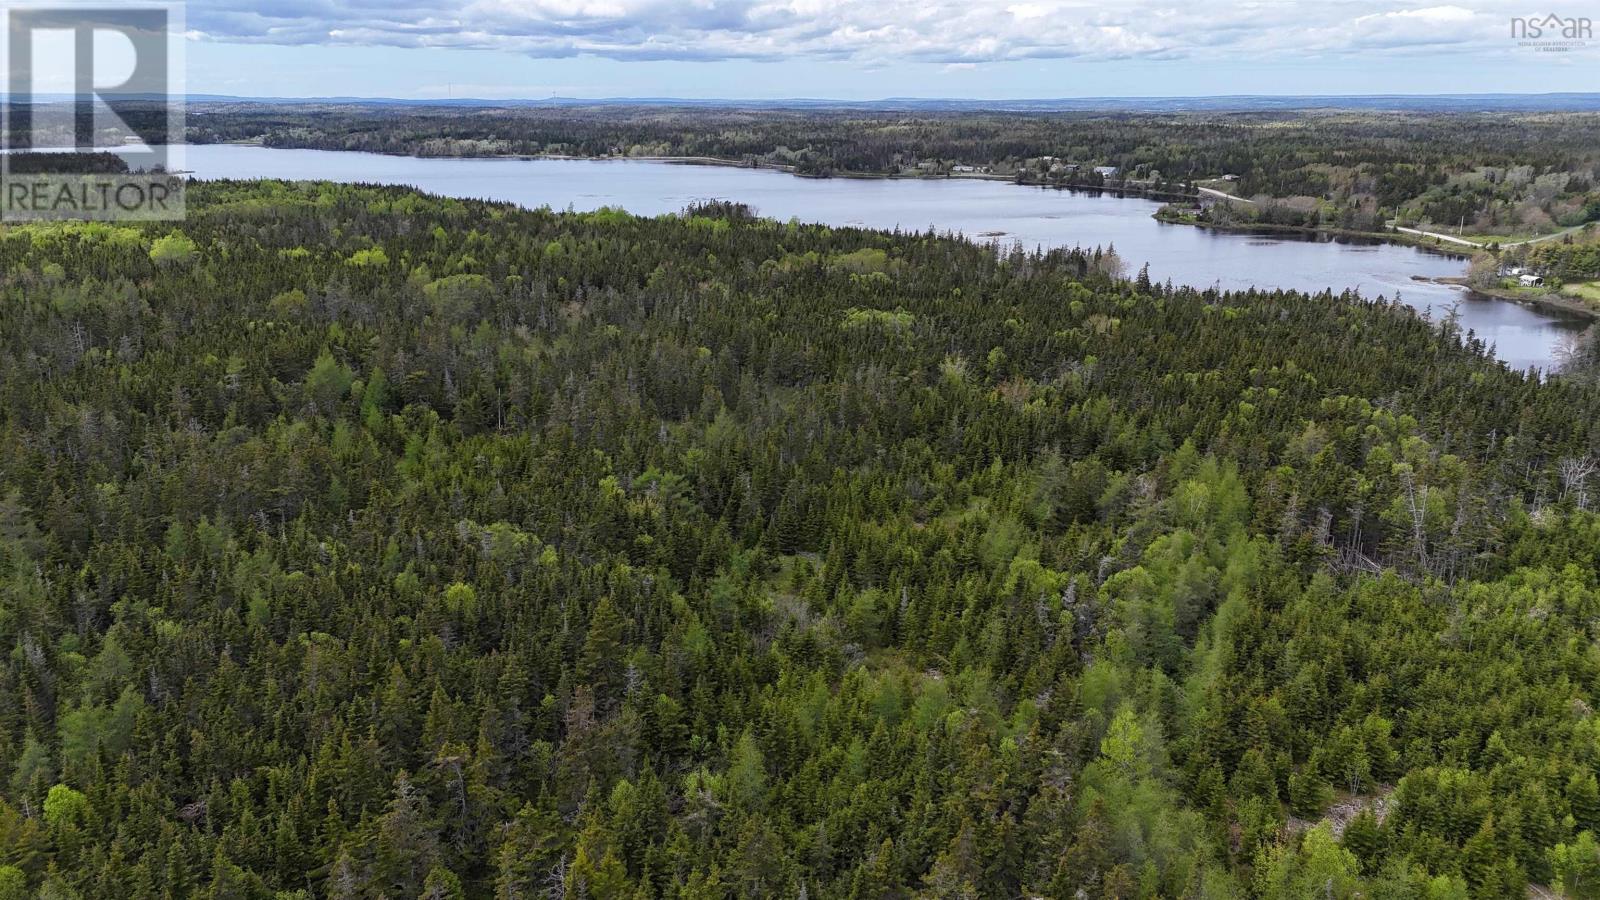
x: 1417, y: 504
x: 556, y: 880
x: 1575, y: 472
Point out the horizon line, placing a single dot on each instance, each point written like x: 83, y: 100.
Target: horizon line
x: 1467, y: 95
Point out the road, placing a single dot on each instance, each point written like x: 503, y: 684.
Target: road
x: 1223, y: 195
x: 1448, y: 238
x: 1455, y: 240
x: 1443, y: 237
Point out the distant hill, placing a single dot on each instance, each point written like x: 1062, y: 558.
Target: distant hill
x: 1420, y: 102
x: 1552, y: 102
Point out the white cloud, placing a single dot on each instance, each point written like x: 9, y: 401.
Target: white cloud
x: 1028, y: 10
x: 880, y: 31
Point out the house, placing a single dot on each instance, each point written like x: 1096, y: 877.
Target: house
x: 1106, y: 171
x: 1230, y: 177
x: 1530, y: 280
x: 963, y: 170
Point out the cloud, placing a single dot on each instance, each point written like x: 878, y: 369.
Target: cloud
x: 877, y: 32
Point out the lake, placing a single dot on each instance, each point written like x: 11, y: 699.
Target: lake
x: 980, y: 209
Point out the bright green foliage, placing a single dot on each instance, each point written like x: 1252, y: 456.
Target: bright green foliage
x: 328, y: 382
x: 1320, y: 868
x: 13, y: 883
x: 1577, y: 867
x: 369, y: 257
x: 66, y: 808
x: 173, y: 249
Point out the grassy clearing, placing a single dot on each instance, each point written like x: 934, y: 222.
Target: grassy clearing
x: 1584, y: 290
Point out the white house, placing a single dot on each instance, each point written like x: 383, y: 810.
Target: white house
x: 1106, y: 171
x: 1530, y: 280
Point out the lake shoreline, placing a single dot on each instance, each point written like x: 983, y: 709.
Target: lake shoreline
x: 1398, y: 239
x: 1125, y: 190
x: 1546, y: 302
x: 1238, y: 258
x: 1118, y: 190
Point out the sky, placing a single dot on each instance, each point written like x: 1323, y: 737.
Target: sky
x: 871, y: 49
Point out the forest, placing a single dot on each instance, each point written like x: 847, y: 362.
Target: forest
x: 356, y: 543
x: 1490, y: 173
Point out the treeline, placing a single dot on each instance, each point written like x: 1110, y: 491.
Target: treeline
x: 1497, y: 172
x: 1573, y: 258
x: 46, y: 163
x: 355, y: 543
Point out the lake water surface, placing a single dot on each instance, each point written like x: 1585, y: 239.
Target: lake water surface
x: 984, y: 210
